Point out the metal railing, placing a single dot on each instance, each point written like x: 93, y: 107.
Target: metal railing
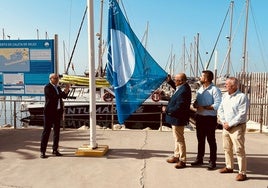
x: 11, y: 113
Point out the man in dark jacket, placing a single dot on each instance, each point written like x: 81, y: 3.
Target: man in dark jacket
x: 53, y: 112
x: 177, y: 114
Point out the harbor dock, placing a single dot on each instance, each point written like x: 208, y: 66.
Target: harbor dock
x: 136, y: 158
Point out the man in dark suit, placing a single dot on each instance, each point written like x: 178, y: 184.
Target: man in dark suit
x: 177, y: 114
x: 53, y: 112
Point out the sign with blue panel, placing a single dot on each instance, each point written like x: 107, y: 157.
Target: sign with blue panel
x: 25, y: 66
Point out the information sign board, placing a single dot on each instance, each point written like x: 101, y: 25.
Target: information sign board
x: 25, y: 66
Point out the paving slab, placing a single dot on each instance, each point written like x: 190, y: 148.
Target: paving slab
x: 136, y: 158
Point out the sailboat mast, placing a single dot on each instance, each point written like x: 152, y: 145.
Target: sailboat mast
x: 184, y: 61
x: 144, y: 39
x: 100, y: 67
x: 197, y: 55
x: 230, y: 40
x: 245, y: 39
x: 171, y: 61
x: 64, y: 61
x: 77, y: 37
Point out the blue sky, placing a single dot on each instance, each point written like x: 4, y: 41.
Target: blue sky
x: 170, y: 23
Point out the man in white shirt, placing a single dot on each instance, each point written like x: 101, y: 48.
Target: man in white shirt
x: 233, y: 116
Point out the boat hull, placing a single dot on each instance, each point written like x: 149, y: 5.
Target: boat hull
x: 76, y: 115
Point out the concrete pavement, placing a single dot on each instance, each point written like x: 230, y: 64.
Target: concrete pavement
x: 136, y: 159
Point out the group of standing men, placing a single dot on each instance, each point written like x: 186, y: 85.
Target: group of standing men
x: 231, y: 110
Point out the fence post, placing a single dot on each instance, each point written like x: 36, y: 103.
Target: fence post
x: 261, y: 118
x: 112, y: 118
x: 161, y: 117
x: 15, y: 115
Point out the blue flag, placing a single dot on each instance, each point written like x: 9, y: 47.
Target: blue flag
x: 131, y: 70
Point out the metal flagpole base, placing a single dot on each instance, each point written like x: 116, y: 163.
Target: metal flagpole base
x: 87, y: 151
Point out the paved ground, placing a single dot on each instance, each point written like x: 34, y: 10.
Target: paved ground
x: 136, y: 158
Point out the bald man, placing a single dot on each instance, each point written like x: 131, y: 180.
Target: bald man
x: 53, y: 112
x: 177, y: 115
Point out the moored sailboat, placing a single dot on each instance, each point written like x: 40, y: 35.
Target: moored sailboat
x: 148, y: 106
x: 76, y: 114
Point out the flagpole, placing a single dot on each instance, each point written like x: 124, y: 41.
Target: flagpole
x: 93, y: 149
x: 91, y: 65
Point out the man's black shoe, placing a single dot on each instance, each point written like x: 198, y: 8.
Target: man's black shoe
x: 197, y: 162
x: 57, y: 153
x: 211, y: 166
x: 43, y: 155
